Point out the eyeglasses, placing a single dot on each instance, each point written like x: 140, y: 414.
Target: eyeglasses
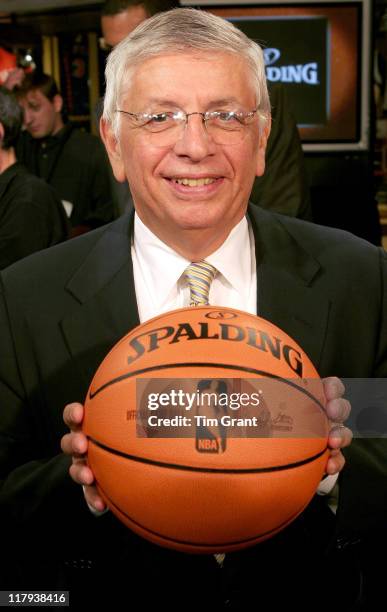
x: 166, y: 127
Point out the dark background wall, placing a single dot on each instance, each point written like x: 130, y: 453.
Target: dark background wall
x: 342, y: 190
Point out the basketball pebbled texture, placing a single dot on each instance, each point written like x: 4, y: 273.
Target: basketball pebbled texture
x: 163, y: 488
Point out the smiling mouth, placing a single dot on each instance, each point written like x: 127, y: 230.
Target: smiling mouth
x: 191, y: 182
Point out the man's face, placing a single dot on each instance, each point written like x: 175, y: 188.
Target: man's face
x: 189, y: 82
x: 41, y: 116
x: 116, y: 27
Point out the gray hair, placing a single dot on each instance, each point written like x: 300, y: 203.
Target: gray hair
x: 181, y: 29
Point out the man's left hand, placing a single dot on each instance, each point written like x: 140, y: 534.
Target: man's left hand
x: 338, y: 410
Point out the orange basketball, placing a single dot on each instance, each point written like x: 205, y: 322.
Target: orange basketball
x: 207, y: 430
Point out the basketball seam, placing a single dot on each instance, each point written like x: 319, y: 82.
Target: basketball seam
x: 190, y: 468
x: 204, y: 544
x: 226, y: 366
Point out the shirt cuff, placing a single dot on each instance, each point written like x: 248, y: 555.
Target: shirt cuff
x: 327, y: 484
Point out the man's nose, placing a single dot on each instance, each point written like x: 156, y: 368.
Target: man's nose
x: 195, y: 142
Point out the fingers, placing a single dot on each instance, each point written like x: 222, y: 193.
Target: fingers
x: 339, y: 437
x: 94, y: 499
x: 74, y: 443
x: 81, y: 473
x: 73, y: 416
x: 333, y: 387
x: 335, y: 462
x: 338, y: 409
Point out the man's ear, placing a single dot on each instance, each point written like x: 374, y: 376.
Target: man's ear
x: 58, y: 103
x: 1, y: 134
x: 113, y: 150
x: 263, y: 138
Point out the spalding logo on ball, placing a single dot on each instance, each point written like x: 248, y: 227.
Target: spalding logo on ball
x: 218, y: 478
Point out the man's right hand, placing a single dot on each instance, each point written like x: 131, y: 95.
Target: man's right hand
x: 75, y: 444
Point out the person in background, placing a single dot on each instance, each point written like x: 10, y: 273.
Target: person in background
x: 31, y: 214
x: 73, y: 162
x: 120, y: 17
x: 282, y: 191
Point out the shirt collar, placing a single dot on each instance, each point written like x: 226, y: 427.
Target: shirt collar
x: 55, y: 139
x: 233, y: 258
x: 162, y: 267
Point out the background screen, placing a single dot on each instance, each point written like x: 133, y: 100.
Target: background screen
x: 314, y: 50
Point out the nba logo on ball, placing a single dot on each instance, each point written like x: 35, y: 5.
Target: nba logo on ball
x: 169, y: 488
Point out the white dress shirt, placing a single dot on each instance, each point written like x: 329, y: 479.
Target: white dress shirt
x: 158, y: 272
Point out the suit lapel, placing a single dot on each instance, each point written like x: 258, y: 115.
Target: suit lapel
x: 104, y: 288
x: 106, y: 308
x: 287, y: 293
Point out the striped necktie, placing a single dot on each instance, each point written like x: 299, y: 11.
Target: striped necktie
x: 199, y: 276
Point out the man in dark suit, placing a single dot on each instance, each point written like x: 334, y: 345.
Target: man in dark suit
x: 31, y: 214
x: 71, y: 161
x: 190, y: 145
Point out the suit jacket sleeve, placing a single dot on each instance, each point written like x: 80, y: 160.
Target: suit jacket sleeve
x: 363, y: 482
x: 53, y: 337
x: 35, y: 486
x: 34, y: 219
x: 284, y: 187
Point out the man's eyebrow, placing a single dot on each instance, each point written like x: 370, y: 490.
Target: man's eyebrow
x: 211, y: 104
x: 161, y: 102
x: 225, y: 102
